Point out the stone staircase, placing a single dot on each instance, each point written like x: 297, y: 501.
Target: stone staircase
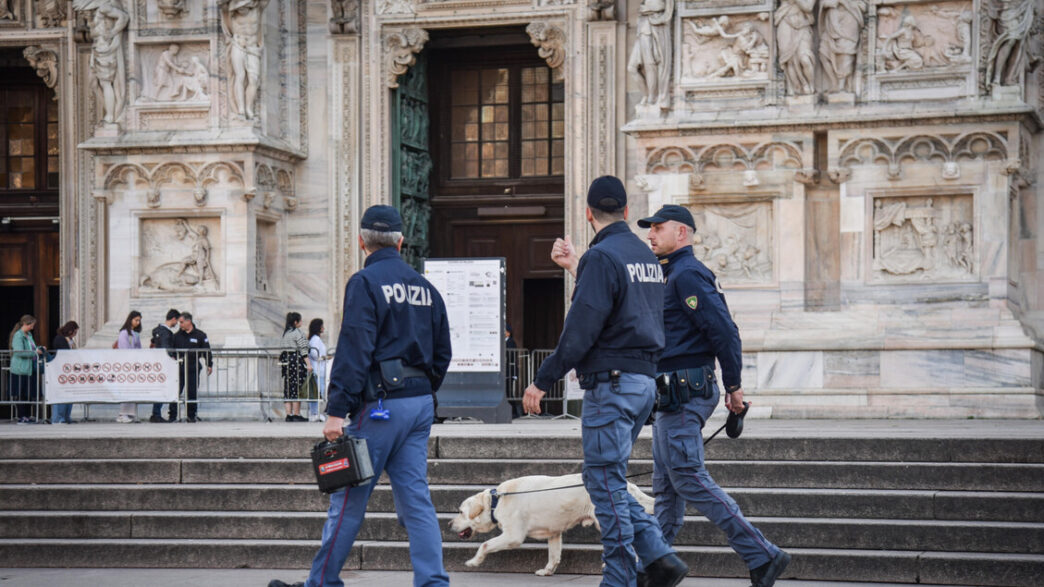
x: 903, y: 510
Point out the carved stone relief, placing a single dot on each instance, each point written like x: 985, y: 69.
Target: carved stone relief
x: 171, y: 8
x: 735, y: 241
x: 45, y: 62
x: 550, y: 43
x: 794, y: 20
x: 107, y: 20
x: 1012, y: 21
x: 400, y: 49
x: 175, y: 73
x: 726, y: 47
x: 919, y: 238
x: 726, y: 158
x: 7, y: 11
x: 344, y: 18
x: 196, y: 178
x: 395, y: 7
x: 947, y: 151
x: 650, y: 59
x: 242, y: 23
x: 179, y: 255
x: 601, y: 10
x: 50, y: 13
x: 265, y: 255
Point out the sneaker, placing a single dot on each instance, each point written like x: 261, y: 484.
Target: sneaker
x: 56, y: 422
x: 157, y: 419
x: 299, y: 418
x: 278, y: 583
x: 290, y: 418
x: 192, y: 419
x: 124, y: 418
x: 766, y: 574
x: 23, y: 420
x: 668, y: 570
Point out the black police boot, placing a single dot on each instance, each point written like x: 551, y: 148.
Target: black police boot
x: 666, y: 571
x: 766, y: 574
x: 278, y: 583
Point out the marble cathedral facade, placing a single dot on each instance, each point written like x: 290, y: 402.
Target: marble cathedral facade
x: 864, y: 173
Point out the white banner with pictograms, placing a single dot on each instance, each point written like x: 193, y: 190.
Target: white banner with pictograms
x: 111, y: 376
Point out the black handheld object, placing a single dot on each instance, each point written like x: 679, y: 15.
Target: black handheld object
x: 734, y: 423
x: 341, y: 463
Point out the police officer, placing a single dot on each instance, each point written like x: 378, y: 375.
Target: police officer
x: 195, y: 346
x: 392, y: 354
x: 613, y: 336
x: 699, y: 329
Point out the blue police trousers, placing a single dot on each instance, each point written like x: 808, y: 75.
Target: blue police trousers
x: 679, y: 476
x: 612, y: 417
x: 399, y: 446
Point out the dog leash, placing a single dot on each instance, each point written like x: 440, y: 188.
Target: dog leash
x: 497, y: 495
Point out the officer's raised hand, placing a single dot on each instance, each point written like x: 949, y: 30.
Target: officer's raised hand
x: 564, y: 255
x: 334, y: 428
x: 531, y: 400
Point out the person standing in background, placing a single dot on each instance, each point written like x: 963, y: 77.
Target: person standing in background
x: 317, y: 355
x: 64, y: 340
x: 24, y: 366
x: 129, y: 339
x: 163, y: 338
x: 295, y: 365
x: 193, y: 345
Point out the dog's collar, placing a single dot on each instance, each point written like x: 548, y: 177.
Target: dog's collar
x: 494, y: 498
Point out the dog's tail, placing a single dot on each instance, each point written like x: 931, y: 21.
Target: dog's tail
x: 647, y: 502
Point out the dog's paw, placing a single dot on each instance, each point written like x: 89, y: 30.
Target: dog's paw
x: 473, y: 562
x: 544, y: 573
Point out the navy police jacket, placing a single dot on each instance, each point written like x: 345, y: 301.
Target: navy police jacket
x: 698, y: 325
x: 390, y: 312
x: 616, y: 319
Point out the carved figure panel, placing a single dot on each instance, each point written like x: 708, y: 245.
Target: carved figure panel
x: 175, y: 73
x: 923, y: 238
x: 841, y: 25
x: 171, y: 8
x: 9, y: 11
x: 916, y: 37
x: 726, y: 47
x: 735, y: 240
x: 1013, y: 22
x: 180, y: 255
x: 50, y: 13
x: 344, y: 17
x: 794, y: 20
x: 650, y: 59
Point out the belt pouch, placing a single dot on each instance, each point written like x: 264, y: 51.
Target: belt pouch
x: 699, y: 382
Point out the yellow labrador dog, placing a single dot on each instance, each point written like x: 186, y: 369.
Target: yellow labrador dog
x: 541, y: 514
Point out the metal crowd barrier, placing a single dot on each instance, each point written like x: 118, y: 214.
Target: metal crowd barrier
x: 244, y: 376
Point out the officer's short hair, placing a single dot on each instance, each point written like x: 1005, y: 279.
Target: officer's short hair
x: 604, y: 217
x: 172, y: 313
x: 186, y: 316
x: 374, y: 239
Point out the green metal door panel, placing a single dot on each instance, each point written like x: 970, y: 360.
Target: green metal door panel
x: 411, y: 165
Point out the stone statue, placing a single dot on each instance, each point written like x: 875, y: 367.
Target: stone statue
x: 5, y: 10
x: 840, y: 28
x: 108, y: 20
x: 45, y: 62
x: 199, y: 260
x: 601, y: 10
x: 171, y: 8
x: 50, y: 13
x: 345, y: 19
x: 899, y: 50
x: 794, y: 39
x: 1013, y: 20
x: 650, y: 60
x: 962, y: 19
x: 241, y: 21
x: 747, y: 54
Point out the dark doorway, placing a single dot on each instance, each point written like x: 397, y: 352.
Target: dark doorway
x: 498, y: 151
x: 29, y: 143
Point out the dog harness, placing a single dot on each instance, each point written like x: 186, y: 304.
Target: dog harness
x: 494, y: 498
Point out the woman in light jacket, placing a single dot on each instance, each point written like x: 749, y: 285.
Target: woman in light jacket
x: 25, y: 357
x: 129, y: 339
x: 295, y: 365
x: 317, y: 355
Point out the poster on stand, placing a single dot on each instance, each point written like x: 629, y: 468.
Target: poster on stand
x: 111, y: 376
x: 473, y: 292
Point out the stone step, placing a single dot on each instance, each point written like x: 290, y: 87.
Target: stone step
x: 956, y: 568
x: 928, y: 450
x: 771, y: 502
x: 864, y: 534
x: 810, y: 474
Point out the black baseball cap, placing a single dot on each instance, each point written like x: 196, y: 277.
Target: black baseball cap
x: 669, y: 212
x: 607, y: 194
x: 382, y: 219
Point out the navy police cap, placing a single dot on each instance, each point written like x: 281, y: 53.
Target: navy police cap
x: 669, y: 212
x: 607, y: 193
x: 382, y: 219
